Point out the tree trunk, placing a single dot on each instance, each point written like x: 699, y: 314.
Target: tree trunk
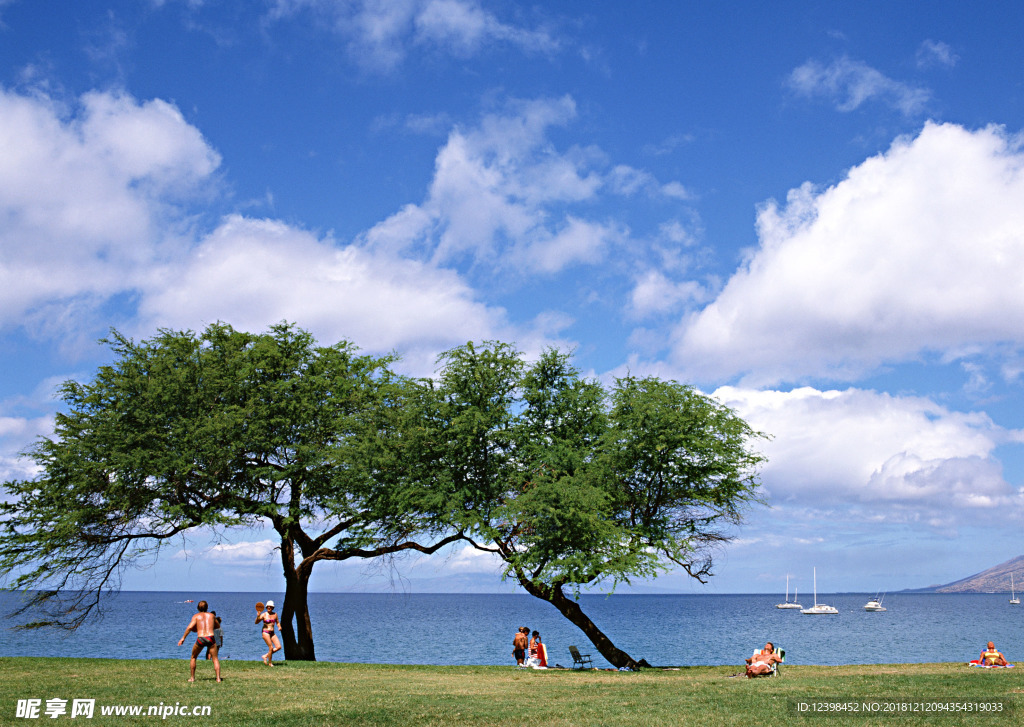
x: 572, y: 611
x: 296, y: 628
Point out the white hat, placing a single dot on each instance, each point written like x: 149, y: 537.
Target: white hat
x: 270, y: 604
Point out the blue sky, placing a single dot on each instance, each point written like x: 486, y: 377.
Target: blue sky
x: 813, y: 211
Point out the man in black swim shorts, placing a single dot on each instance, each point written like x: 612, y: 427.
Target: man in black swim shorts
x: 202, y: 623
x: 519, y: 644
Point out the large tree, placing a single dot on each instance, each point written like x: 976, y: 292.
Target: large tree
x: 216, y: 431
x: 576, y: 486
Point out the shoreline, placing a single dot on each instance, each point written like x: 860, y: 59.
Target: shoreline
x: 512, y: 667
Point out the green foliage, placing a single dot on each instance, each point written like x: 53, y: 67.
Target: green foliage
x: 573, y: 484
x: 213, y: 431
x: 679, y: 465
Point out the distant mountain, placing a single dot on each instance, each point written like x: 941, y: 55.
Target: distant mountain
x: 994, y: 580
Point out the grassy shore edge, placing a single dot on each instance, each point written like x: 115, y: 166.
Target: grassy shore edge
x: 328, y: 693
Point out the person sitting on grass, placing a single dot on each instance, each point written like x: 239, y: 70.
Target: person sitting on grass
x: 992, y: 657
x: 538, y: 653
x: 761, y: 662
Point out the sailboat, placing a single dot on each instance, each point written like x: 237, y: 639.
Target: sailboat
x: 875, y: 605
x: 818, y: 608
x: 788, y: 603
x: 1013, y: 596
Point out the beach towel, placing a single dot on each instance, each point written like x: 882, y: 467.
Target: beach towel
x: 975, y: 662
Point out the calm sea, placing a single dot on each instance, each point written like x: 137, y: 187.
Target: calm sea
x: 478, y: 628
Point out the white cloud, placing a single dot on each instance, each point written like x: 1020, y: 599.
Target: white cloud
x: 579, y: 241
x: 148, y: 144
x: 918, y: 249
x: 380, y: 34
x: 494, y: 188
x: 86, y: 198
x: 669, y: 145
x: 20, y: 428
x: 933, y: 53
x: 889, y: 457
x: 93, y: 200
x: 654, y: 293
x: 17, y: 435
x: 504, y: 196
x: 677, y: 191
x: 238, y: 554
x: 89, y: 203
x: 471, y: 560
x: 627, y: 181
x: 849, y: 84
x: 676, y: 232
x: 253, y: 273
x: 465, y: 28
x: 405, y: 229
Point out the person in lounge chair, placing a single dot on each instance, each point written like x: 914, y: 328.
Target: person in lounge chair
x: 761, y: 663
x: 991, y: 656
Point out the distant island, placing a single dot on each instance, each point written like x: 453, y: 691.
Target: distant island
x: 994, y: 580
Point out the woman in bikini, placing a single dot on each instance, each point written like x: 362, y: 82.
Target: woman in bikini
x: 269, y: 621
x: 538, y: 652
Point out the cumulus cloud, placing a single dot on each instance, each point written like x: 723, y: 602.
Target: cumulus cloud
x: 494, y: 182
x: 87, y: 198
x: 850, y: 83
x: 917, y: 249
x: 654, y: 293
x: 253, y: 273
x: 577, y: 241
x: 379, y: 34
x: 17, y: 434
x: 93, y: 204
x: 98, y: 204
x: 503, y: 195
x: 889, y: 457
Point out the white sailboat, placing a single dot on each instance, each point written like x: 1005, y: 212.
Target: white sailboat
x: 875, y: 605
x: 788, y: 603
x: 818, y: 608
x: 1013, y: 595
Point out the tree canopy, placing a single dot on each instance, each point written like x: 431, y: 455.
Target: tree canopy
x: 213, y: 431
x: 571, y: 484
x: 574, y: 486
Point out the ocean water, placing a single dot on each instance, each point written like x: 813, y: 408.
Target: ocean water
x: 682, y: 630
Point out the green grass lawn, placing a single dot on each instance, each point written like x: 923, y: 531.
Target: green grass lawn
x: 365, y: 694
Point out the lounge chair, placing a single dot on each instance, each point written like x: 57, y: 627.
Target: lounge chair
x: 581, y: 659
x: 773, y: 669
